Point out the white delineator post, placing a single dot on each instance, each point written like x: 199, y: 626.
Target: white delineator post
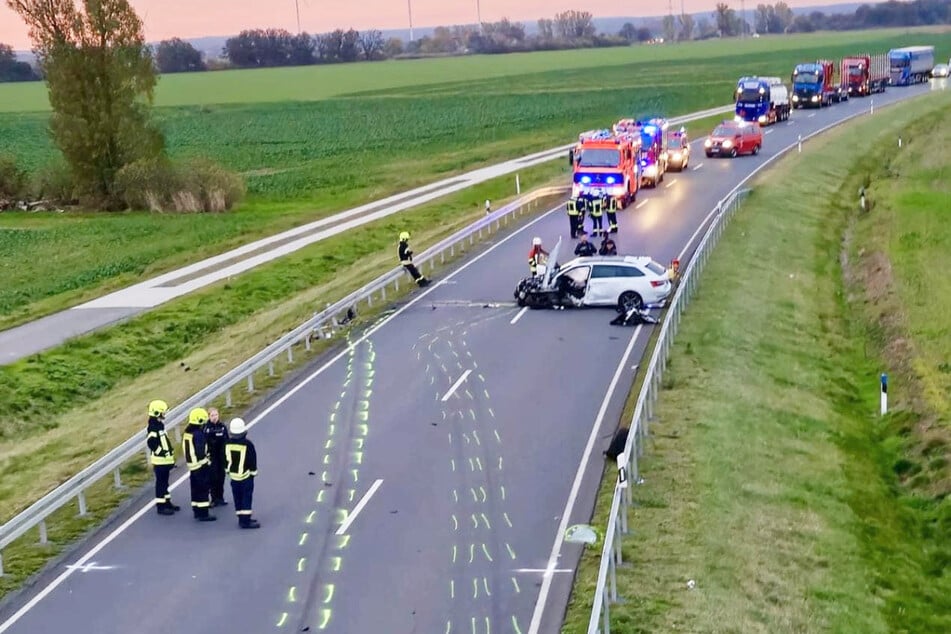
x: 518, y: 186
x: 800, y: 144
x: 488, y: 206
x: 884, y: 382
x: 871, y: 106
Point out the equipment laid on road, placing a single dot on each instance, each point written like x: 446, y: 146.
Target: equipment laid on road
x: 863, y: 75
x: 636, y: 316
x: 764, y: 100
x: 910, y: 65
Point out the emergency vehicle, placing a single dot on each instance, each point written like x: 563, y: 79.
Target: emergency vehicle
x: 605, y: 165
x: 653, y: 158
x: 678, y: 148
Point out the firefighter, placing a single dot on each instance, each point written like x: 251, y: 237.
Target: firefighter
x: 217, y: 435
x: 582, y: 210
x: 161, y: 455
x: 573, y: 217
x: 195, y: 448
x: 597, y: 228
x: 535, y: 255
x: 406, y: 259
x: 585, y: 249
x: 612, y: 206
x: 242, y: 468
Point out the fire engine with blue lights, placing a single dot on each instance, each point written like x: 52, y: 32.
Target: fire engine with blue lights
x: 605, y: 165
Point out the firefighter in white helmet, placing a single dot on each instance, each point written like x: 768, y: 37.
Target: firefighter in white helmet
x: 538, y: 255
x: 242, y: 462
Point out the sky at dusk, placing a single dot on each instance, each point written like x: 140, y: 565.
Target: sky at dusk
x: 196, y: 18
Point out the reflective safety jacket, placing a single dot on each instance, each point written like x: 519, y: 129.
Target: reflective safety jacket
x: 195, y: 447
x: 406, y: 255
x: 573, y: 208
x: 242, y: 459
x: 161, y: 451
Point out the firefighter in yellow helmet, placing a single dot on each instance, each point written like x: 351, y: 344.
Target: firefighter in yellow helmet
x: 406, y: 259
x: 195, y: 448
x: 161, y: 455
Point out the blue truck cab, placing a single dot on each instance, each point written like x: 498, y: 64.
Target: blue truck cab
x: 910, y: 65
x: 763, y: 100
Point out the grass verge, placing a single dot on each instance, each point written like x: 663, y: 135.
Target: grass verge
x: 324, y: 152
x: 770, y: 479
x: 178, y: 349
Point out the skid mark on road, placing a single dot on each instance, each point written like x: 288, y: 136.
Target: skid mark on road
x: 310, y: 595
x: 480, y: 587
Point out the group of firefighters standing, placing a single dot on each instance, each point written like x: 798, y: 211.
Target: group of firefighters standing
x: 596, y: 207
x: 211, y: 451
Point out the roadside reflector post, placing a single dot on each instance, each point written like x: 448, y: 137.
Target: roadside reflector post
x: 871, y: 106
x: 488, y: 206
x: 800, y: 143
x: 884, y: 382
x: 862, y: 198
x: 518, y: 185
x: 899, y: 141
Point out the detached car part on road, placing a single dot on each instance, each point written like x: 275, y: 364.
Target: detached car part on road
x: 625, y: 282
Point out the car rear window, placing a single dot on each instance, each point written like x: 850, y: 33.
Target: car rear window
x: 654, y: 267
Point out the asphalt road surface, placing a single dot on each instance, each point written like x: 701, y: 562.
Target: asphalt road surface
x: 419, y: 482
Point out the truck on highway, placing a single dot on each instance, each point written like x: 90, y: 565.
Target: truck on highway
x: 606, y: 164
x: 910, y: 65
x: 863, y: 75
x: 814, y: 85
x: 763, y: 100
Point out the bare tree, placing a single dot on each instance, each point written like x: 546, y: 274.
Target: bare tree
x: 372, y: 43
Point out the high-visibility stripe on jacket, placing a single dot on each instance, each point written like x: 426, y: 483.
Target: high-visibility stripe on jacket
x: 242, y: 459
x: 161, y: 451
x: 195, y: 448
x: 573, y: 208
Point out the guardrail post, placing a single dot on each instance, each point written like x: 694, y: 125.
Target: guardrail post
x: 383, y: 293
x: 270, y: 368
x: 250, y: 383
x: 82, y: 503
x: 290, y: 353
x: 612, y: 570
x: 617, y: 549
x: 43, y: 536
x: 1, y: 564
x: 178, y: 434
x: 117, y: 478
x: 228, y: 392
x: 606, y: 611
x: 442, y: 257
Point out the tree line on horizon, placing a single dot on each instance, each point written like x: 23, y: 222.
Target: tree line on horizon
x: 268, y: 48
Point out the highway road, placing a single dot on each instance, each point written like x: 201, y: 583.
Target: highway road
x: 420, y: 481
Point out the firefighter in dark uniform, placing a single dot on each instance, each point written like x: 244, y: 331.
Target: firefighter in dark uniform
x: 242, y: 468
x: 612, y: 207
x: 195, y: 448
x: 161, y: 455
x: 582, y: 210
x: 597, y: 228
x: 406, y: 259
x: 217, y: 435
x: 574, y: 217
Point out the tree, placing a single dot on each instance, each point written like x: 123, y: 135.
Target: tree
x: 393, y: 47
x: 686, y: 26
x: 644, y: 34
x: 371, y: 43
x: 575, y: 25
x: 101, y: 77
x: 726, y: 20
x: 13, y: 70
x: 178, y: 56
x: 546, y: 29
x: 670, y: 28
x: 628, y: 32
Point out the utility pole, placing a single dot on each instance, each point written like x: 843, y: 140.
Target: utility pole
x: 743, y: 19
x: 409, y: 5
x: 297, y: 6
x: 670, y: 16
x: 479, y: 14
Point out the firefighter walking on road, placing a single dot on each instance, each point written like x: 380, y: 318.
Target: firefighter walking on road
x: 195, y: 448
x: 217, y: 435
x: 406, y: 259
x: 612, y: 206
x: 161, y: 455
x: 242, y: 468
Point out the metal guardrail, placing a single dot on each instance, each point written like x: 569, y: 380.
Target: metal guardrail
x: 606, y: 591
x: 317, y: 327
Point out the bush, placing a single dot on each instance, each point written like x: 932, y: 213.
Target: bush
x: 197, y: 185
x: 54, y: 182
x: 12, y: 179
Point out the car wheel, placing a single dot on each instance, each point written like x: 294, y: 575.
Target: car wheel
x: 733, y: 153
x: 756, y: 149
x: 629, y: 300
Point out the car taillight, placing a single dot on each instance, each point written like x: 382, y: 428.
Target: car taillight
x: 656, y: 283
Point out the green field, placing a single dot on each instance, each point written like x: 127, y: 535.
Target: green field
x: 770, y: 478
x: 347, y: 135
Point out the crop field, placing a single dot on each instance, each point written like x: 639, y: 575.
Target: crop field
x: 771, y: 480
x: 346, y: 135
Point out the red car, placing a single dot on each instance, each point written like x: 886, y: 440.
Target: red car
x: 732, y: 138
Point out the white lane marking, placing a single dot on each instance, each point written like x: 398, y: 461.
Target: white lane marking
x: 812, y: 115
x: 150, y: 506
x: 519, y: 315
x: 576, y: 486
x: 90, y: 566
x: 359, y: 507
x: 455, y: 386
x: 543, y: 570
x: 769, y: 131
x: 671, y: 183
x: 642, y: 203
x: 698, y: 166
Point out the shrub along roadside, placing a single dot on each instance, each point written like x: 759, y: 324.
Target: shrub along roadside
x: 769, y: 477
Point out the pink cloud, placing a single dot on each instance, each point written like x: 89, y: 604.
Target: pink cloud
x: 195, y: 18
